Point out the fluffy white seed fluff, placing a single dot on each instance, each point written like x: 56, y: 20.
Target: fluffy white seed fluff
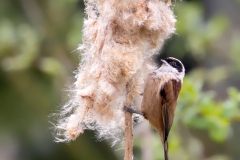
x: 117, y: 36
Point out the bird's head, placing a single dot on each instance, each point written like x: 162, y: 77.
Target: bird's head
x: 173, y: 65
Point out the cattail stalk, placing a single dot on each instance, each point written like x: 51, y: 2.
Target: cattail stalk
x: 128, y: 154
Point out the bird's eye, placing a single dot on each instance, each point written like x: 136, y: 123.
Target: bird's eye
x: 173, y: 63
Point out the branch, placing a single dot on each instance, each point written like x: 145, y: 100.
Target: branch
x: 128, y: 136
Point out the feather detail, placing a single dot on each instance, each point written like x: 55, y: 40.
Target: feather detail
x: 166, y: 129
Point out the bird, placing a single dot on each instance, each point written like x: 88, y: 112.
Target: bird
x: 160, y: 94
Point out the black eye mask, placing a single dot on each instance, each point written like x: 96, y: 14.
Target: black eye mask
x: 174, y: 63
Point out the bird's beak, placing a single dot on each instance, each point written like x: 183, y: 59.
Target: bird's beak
x: 163, y: 61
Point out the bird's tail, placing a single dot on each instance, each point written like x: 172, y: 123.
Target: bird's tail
x: 165, y: 145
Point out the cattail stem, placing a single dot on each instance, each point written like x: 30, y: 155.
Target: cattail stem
x: 128, y: 136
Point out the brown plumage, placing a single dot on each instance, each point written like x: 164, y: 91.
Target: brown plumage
x: 160, y: 97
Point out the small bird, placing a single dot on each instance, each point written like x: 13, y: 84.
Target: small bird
x: 160, y: 95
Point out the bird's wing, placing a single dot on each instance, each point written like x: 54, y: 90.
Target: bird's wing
x: 169, y: 94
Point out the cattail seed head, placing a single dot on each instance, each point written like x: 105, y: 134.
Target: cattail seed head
x: 117, y: 37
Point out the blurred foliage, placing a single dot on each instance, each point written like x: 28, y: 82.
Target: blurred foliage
x: 234, y: 52
x: 38, y: 55
x: 198, y: 35
x: 201, y: 111
x: 204, y: 119
x: 195, y: 35
x: 198, y: 109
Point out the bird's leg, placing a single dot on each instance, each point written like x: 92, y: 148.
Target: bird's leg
x: 128, y: 109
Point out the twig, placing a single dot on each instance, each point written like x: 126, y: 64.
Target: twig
x: 128, y: 136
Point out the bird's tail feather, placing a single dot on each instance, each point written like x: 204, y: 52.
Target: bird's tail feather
x: 165, y: 145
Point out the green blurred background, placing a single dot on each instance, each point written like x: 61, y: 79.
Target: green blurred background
x: 38, y: 41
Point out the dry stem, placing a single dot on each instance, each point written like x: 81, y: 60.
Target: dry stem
x: 128, y: 136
